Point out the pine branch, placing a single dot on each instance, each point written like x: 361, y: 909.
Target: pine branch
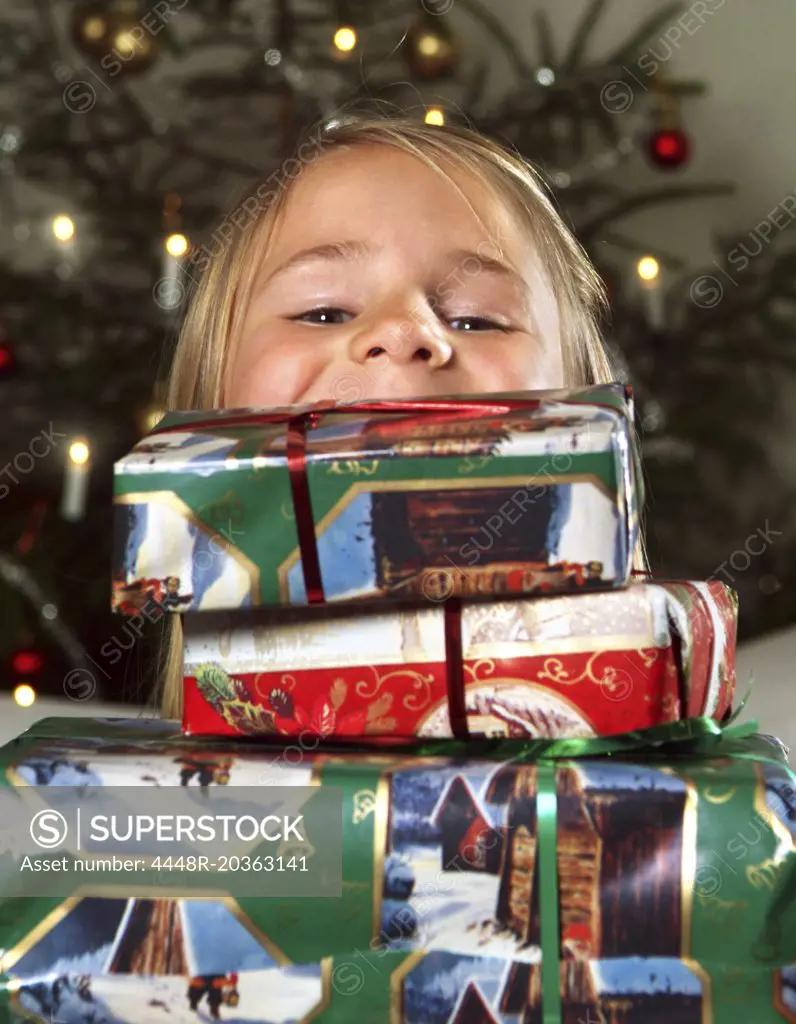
x: 583, y: 32
x: 495, y: 28
x: 621, y: 241
x: 650, y: 27
x: 646, y: 200
x: 544, y: 39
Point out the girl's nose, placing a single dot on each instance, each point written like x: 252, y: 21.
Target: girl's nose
x: 402, y: 342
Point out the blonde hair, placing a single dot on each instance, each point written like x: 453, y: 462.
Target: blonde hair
x: 213, y: 320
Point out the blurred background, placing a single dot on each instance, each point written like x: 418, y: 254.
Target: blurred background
x: 127, y: 128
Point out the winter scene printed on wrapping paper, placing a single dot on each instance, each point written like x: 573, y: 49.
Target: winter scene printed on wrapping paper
x: 462, y: 873
x: 450, y: 988
x: 96, y: 762
x: 392, y: 542
x: 143, y: 961
x: 156, y: 534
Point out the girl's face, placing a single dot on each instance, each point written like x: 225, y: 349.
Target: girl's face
x: 380, y: 281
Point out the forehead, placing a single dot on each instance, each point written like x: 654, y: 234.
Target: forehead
x: 380, y: 187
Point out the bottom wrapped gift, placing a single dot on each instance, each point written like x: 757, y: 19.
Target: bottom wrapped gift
x: 675, y: 901
x: 370, y: 988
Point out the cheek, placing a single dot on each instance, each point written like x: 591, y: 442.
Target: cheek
x: 270, y: 370
x: 516, y: 365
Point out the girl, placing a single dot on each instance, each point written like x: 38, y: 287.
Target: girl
x: 388, y: 259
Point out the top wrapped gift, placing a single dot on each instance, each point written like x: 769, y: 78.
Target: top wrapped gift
x: 529, y: 493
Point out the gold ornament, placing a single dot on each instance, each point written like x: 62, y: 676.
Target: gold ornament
x: 115, y: 32
x: 431, y: 48
x: 91, y: 28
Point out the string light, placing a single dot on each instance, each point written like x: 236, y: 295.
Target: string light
x: 176, y: 245
x: 79, y: 453
x: 24, y: 695
x: 428, y: 44
x: 63, y: 227
x: 648, y: 268
x: 545, y: 76
x: 435, y: 115
x: 649, y: 273
x: 124, y: 43
x: 345, y: 39
x: 94, y: 28
x: 76, y: 477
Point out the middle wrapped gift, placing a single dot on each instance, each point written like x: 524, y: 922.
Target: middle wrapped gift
x: 586, y: 665
x: 505, y: 494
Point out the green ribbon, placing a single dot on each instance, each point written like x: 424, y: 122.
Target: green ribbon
x: 686, y: 738
x: 547, y: 847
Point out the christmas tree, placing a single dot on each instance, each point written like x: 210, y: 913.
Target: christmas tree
x: 129, y: 131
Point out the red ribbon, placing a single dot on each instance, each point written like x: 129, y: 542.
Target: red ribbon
x: 454, y: 668
x: 302, y: 507
x: 254, y: 418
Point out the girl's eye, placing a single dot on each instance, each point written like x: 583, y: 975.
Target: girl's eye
x: 475, y: 323
x: 324, y: 315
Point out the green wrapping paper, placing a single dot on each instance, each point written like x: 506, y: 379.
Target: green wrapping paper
x: 675, y: 871
x: 528, y: 493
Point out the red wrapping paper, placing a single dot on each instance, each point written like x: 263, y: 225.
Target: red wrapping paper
x: 570, y: 666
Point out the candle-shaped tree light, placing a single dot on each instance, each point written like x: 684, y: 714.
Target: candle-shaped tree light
x: 76, y: 477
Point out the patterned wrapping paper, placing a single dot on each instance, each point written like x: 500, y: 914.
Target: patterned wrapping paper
x: 585, y: 665
x: 676, y: 894
x: 529, y: 493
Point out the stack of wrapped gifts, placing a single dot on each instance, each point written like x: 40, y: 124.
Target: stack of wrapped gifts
x: 429, y: 609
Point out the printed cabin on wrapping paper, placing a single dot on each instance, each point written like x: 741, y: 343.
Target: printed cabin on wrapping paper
x: 613, y: 825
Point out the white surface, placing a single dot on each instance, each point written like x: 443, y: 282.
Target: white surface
x: 770, y: 662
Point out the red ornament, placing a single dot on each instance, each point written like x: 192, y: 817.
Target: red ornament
x: 8, y: 359
x: 26, y: 663
x: 669, y: 148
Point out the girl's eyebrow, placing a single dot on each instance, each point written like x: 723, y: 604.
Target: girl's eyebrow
x: 355, y: 249
x: 338, y: 251
x: 459, y: 258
